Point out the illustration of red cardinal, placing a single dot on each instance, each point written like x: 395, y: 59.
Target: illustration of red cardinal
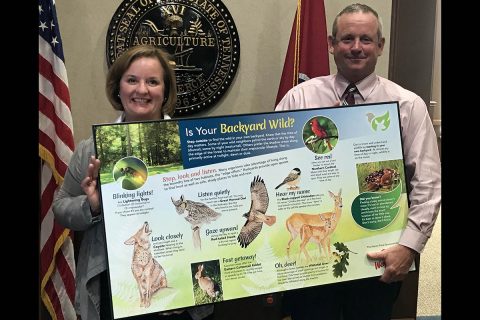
x: 320, y: 132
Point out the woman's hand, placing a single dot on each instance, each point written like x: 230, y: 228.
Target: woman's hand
x: 89, y: 185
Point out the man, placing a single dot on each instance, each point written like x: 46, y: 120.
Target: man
x: 356, y: 43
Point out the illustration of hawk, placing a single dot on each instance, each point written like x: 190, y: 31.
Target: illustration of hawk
x: 256, y: 216
x: 197, y: 214
x: 292, y: 179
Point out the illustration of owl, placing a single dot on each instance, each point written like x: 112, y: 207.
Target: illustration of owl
x: 197, y: 214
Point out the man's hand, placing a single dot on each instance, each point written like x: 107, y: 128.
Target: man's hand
x: 398, y: 260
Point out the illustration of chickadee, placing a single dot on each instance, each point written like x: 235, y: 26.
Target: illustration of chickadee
x: 292, y: 179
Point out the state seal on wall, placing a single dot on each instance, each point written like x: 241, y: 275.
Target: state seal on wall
x: 199, y: 34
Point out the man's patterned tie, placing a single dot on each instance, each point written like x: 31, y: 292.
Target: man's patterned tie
x: 349, y: 95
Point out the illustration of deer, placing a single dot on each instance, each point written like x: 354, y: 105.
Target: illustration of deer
x: 316, y: 234
x: 295, y: 222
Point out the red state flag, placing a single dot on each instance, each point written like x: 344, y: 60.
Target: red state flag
x: 307, y: 53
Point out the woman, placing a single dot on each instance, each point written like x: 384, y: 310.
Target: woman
x: 141, y: 84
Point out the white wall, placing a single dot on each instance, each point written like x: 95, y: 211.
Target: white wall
x: 264, y: 28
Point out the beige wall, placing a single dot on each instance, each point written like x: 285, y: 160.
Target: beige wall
x: 437, y: 70
x: 264, y: 28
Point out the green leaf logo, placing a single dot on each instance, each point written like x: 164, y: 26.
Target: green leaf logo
x: 379, y: 123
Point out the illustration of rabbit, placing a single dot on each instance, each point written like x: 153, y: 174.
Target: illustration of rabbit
x: 206, y: 284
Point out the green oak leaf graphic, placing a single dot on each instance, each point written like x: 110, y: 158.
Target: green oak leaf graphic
x: 341, y: 259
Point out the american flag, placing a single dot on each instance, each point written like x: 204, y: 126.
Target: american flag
x: 307, y: 52
x: 57, y: 264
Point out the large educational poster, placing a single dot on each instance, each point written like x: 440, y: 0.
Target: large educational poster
x: 204, y: 210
